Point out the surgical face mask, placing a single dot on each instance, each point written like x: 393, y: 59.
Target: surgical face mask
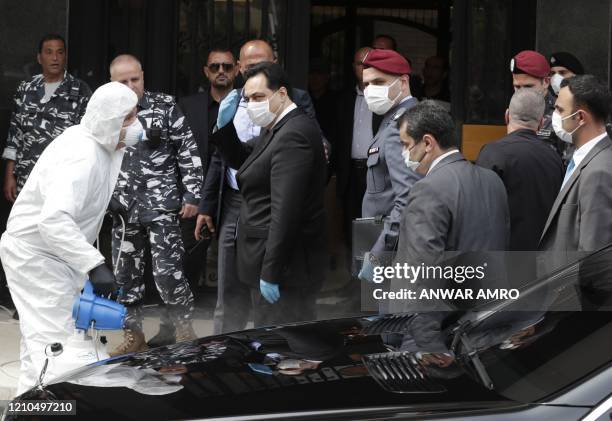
x: 259, y: 112
x: 378, y: 99
x: 133, y: 133
x: 555, y: 82
x: 557, y: 124
x: 409, y: 163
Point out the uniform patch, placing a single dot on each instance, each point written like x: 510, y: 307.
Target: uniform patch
x: 398, y: 114
x: 372, y: 151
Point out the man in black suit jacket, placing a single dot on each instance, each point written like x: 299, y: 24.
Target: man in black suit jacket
x: 531, y: 171
x: 281, y: 254
x: 220, y: 204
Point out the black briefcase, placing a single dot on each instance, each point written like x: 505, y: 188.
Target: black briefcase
x: 365, y: 233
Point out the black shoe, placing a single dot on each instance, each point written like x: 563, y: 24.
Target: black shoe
x: 165, y: 336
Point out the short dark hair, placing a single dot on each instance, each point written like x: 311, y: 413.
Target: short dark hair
x: 590, y: 93
x: 274, y: 73
x: 429, y: 118
x: 51, y: 37
x: 390, y: 38
x: 220, y: 49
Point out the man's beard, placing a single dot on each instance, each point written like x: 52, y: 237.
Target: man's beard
x: 220, y: 85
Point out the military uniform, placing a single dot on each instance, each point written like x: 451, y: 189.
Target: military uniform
x: 35, y: 123
x: 547, y: 133
x: 388, y: 178
x: 158, y: 176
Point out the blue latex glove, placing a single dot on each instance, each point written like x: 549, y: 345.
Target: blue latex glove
x: 366, y: 273
x: 269, y: 291
x: 227, y: 108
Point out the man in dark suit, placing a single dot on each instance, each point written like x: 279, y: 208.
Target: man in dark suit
x: 531, y: 171
x: 221, y: 200
x: 581, y: 216
x: 349, y: 158
x: 281, y: 257
x: 457, y: 206
x: 201, y: 108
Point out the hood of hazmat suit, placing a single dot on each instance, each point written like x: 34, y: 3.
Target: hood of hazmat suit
x: 47, y: 248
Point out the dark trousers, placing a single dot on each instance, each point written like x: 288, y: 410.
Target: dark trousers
x: 194, y: 262
x: 231, y: 312
x: 294, y: 305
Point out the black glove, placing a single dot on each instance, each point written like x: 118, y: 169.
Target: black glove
x: 116, y: 208
x: 103, y: 280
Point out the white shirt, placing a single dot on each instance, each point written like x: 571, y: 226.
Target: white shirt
x: 580, y: 153
x: 405, y: 99
x: 50, y: 89
x: 583, y: 151
x: 284, y: 113
x: 440, y: 158
x: 363, y: 133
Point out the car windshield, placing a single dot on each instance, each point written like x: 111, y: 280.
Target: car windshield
x: 531, y: 355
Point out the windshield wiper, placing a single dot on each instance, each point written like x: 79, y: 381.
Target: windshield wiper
x: 460, y: 336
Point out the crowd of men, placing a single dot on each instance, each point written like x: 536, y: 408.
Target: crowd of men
x: 250, y: 165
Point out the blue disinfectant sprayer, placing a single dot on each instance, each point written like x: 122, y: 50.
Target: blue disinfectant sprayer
x: 89, y: 311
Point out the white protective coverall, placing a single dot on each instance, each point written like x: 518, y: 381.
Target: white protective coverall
x: 47, y: 249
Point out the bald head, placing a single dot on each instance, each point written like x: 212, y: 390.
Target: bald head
x: 360, y: 55
x: 253, y: 52
x: 526, y: 109
x: 127, y: 69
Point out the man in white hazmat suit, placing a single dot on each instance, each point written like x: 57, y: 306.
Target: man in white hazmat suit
x: 47, y: 250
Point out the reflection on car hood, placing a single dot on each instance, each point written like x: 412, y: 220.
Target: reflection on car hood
x: 346, y: 363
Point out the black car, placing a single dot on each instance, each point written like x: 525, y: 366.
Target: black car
x: 503, y: 361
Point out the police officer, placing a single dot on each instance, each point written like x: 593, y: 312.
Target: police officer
x: 530, y: 69
x: 563, y: 66
x: 387, y: 93
x: 159, y: 181
x: 45, y: 106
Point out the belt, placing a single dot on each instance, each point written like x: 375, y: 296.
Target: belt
x: 359, y: 163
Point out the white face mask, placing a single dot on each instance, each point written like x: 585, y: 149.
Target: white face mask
x: 555, y: 82
x: 557, y: 124
x: 409, y: 163
x: 259, y: 112
x: 377, y: 97
x: 133, y: 133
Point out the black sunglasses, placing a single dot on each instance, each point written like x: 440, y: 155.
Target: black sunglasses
x: 214, y: 67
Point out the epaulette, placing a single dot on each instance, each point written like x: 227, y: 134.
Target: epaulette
x: 398, y: 114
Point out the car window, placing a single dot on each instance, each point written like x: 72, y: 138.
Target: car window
x: 532, y: 355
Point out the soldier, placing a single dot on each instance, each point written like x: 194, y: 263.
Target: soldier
x: 159, y: 181
x: 530, y: 69
x: 45, y: 106
x: 389, y: 180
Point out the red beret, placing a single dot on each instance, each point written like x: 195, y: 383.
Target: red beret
x: 387, y: 61
x: 531, y: 63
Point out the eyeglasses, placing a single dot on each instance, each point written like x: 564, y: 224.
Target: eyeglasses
x: 214, y: 67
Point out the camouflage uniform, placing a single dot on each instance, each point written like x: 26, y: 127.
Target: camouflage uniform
x: 34, y: 124
x: 156, y: 179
